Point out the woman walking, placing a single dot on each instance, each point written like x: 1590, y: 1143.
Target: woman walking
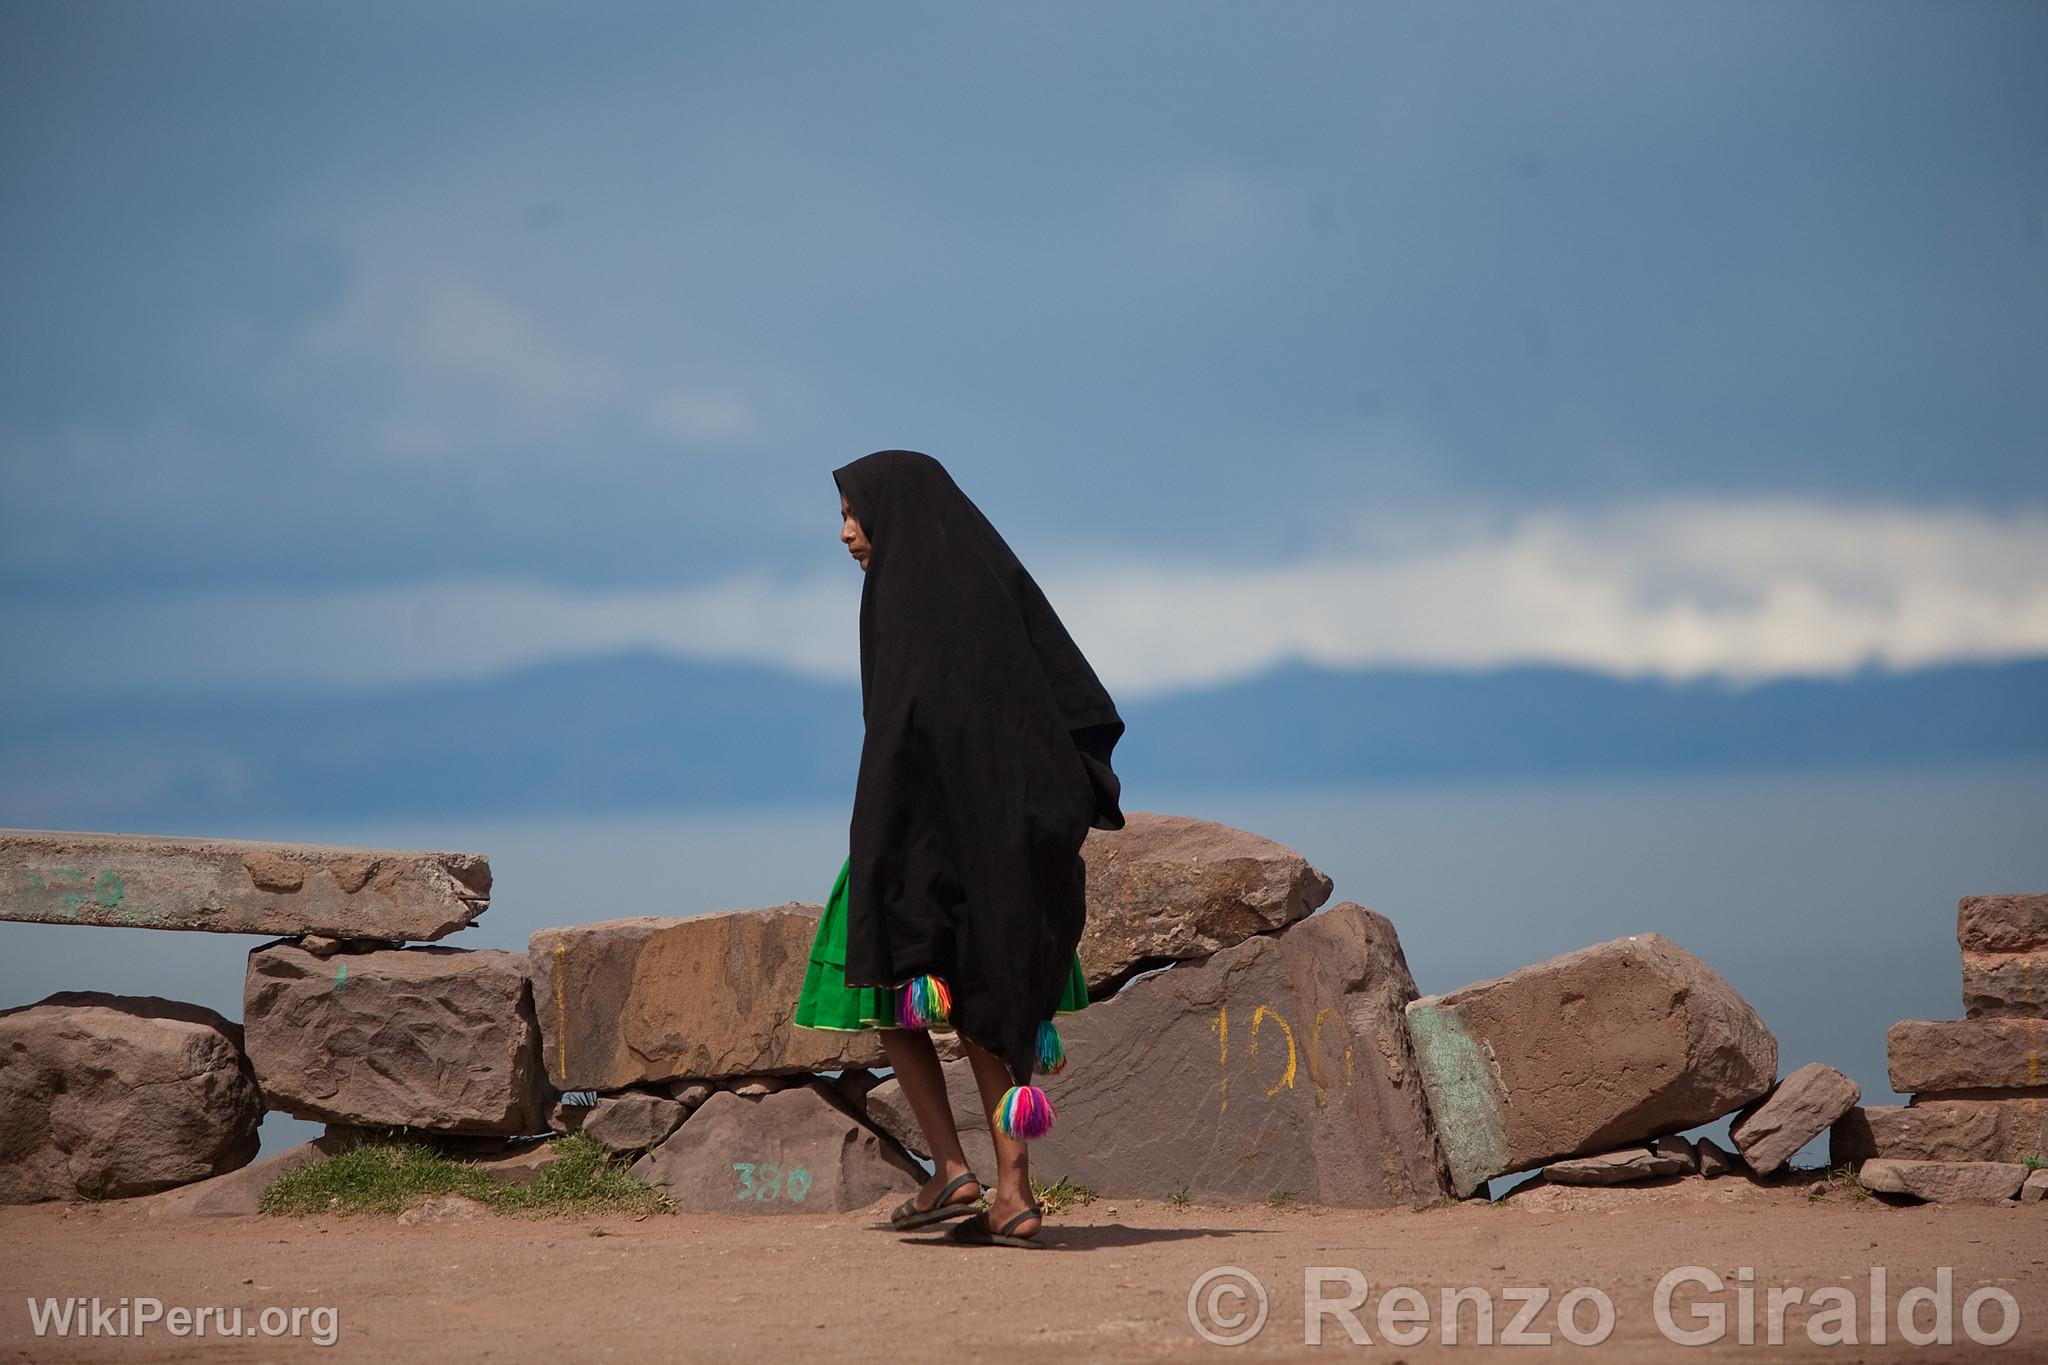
x: 986, y: 761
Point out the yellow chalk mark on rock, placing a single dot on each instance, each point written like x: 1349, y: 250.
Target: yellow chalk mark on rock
x: 1259, y: 1016
x: 1222, y: 1059
x: 561, y: 1014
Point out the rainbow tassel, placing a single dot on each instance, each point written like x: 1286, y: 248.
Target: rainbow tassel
x: 1024, y: 1113
x: 1052, y: 1053
x: 923, y: 1001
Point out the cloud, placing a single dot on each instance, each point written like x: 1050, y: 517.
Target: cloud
x: 1741, y: 589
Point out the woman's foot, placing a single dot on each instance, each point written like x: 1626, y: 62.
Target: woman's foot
x: 1010, y: 1222
x: 952, y: 1192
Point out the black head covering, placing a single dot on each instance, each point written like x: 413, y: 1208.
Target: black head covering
x: 986, y: 761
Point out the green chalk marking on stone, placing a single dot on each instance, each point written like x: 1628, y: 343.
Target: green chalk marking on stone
x: 1463, y: 1095
x: 108, y: 890
x: 341, y: 976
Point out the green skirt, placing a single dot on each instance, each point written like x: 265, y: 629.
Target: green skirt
x: 827, y: 1002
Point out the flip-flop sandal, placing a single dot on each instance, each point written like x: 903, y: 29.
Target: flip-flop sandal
x: 976, y: 1231
x: 908, y: 1215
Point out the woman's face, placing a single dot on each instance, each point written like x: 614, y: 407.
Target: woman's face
x: 850, y: 535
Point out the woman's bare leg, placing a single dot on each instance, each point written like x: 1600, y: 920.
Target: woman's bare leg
x: 916, y: 1064
x: 1013, y: 1161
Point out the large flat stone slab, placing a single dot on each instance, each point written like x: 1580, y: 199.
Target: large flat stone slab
x: 2005, y: 983
x: 799, y: 1150
x: 1798, y: 1110
x: 1993, y: 1053
x: 1942, y: 1130
x: 118, y: 1095
x: 1624, y: 1167
x: 435, y: 1039
x: 1944, y: 1182
x: 236, y: 886
x: 628, y: 1001
x: 1605, y: 1046
x: 2002, y: 924
x: 1168, y: 887
x: 1278, y: 1065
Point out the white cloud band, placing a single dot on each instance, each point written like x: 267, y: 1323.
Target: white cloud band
x: 1746, y: 589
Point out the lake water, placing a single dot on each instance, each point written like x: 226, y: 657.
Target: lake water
x: 1827, y: 900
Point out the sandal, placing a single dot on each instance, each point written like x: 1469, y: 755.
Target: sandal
x: 908, y: 1215
x: 977, y: 1232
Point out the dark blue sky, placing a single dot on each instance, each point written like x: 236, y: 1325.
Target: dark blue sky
x: 427, y: 300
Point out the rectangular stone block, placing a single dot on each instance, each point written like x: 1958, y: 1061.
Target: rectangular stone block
x: 627, y: 1001
x: 1943, y: 1130
x: 435, y: 1039
x: 2005, y: 983
x: 2002, y: 924
x: 1588, y: 1052
x: 2001, y: 1053
x: 238, y: 886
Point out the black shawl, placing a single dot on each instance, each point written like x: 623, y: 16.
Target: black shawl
x: 986, y: 761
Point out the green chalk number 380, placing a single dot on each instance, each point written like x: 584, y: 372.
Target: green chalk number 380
x: 769, y: 1182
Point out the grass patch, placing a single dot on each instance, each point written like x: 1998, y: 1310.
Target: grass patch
x: 1280, y: 1199
x: 1842, y: 1180
x: 1060, y: 1194
x: 2035, y: 1162
x: 391, y: 1177
x: 583, y: 1178
x: 1179, y: 1198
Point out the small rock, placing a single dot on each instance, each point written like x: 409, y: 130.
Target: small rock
x: 689, y: 1093
x: 1797, y: 1110
x: 1944, y: 1182
x: 1717, y: 1160
x: 633, y: 1121
x: 322, y: 945
x: 2035, y: 1189
x: 518, y: 1165
x: 1616, y: 1168
x: 2002, y: 924
x: 1679, y: 1147
x: 755, y: 1087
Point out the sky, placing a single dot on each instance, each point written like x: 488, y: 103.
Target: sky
x: 355, y: 346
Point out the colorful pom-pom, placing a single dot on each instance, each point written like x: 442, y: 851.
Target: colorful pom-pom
x: 1024, y: 1113
x: 922, y: 1002
x: 1052, y: 1053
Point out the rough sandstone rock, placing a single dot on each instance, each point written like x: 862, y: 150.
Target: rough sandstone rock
x: 796, y: 1151
x: 2036, y: 1187
x: 439, y: 1039
x: 236, y: 886
x: 1799, y: 1109
x: 1611, y: 1044
x: 1680, y: 1148
x: 1617, y: 1168
x: 1281, y: 1064
x: 1168, y: 887
x: 886, y: 1106
x: 1944, y: 1182
x: 2002, y: 924
x: 628, y: 1001
x: 2004, y: 1052
x: 239, y: 1193
x: 1716, y: 1160
x: 1942, y: 1130
x: 632, y: 1121
x: 2005, y: 983
x: 111, y: 1095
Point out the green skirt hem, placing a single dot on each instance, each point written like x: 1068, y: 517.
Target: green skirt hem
x: 828, y: 1004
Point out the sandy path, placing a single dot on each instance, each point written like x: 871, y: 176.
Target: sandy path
x: 1113, y: 1286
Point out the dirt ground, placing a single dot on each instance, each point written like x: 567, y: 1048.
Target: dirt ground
x: 1113, y: 1284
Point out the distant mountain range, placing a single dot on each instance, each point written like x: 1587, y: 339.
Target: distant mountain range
x: 644, y: 731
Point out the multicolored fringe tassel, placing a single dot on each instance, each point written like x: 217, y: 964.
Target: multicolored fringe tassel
x: 923, y: 1001
x: 1024, y: 1113
x: 1052, y: 1053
